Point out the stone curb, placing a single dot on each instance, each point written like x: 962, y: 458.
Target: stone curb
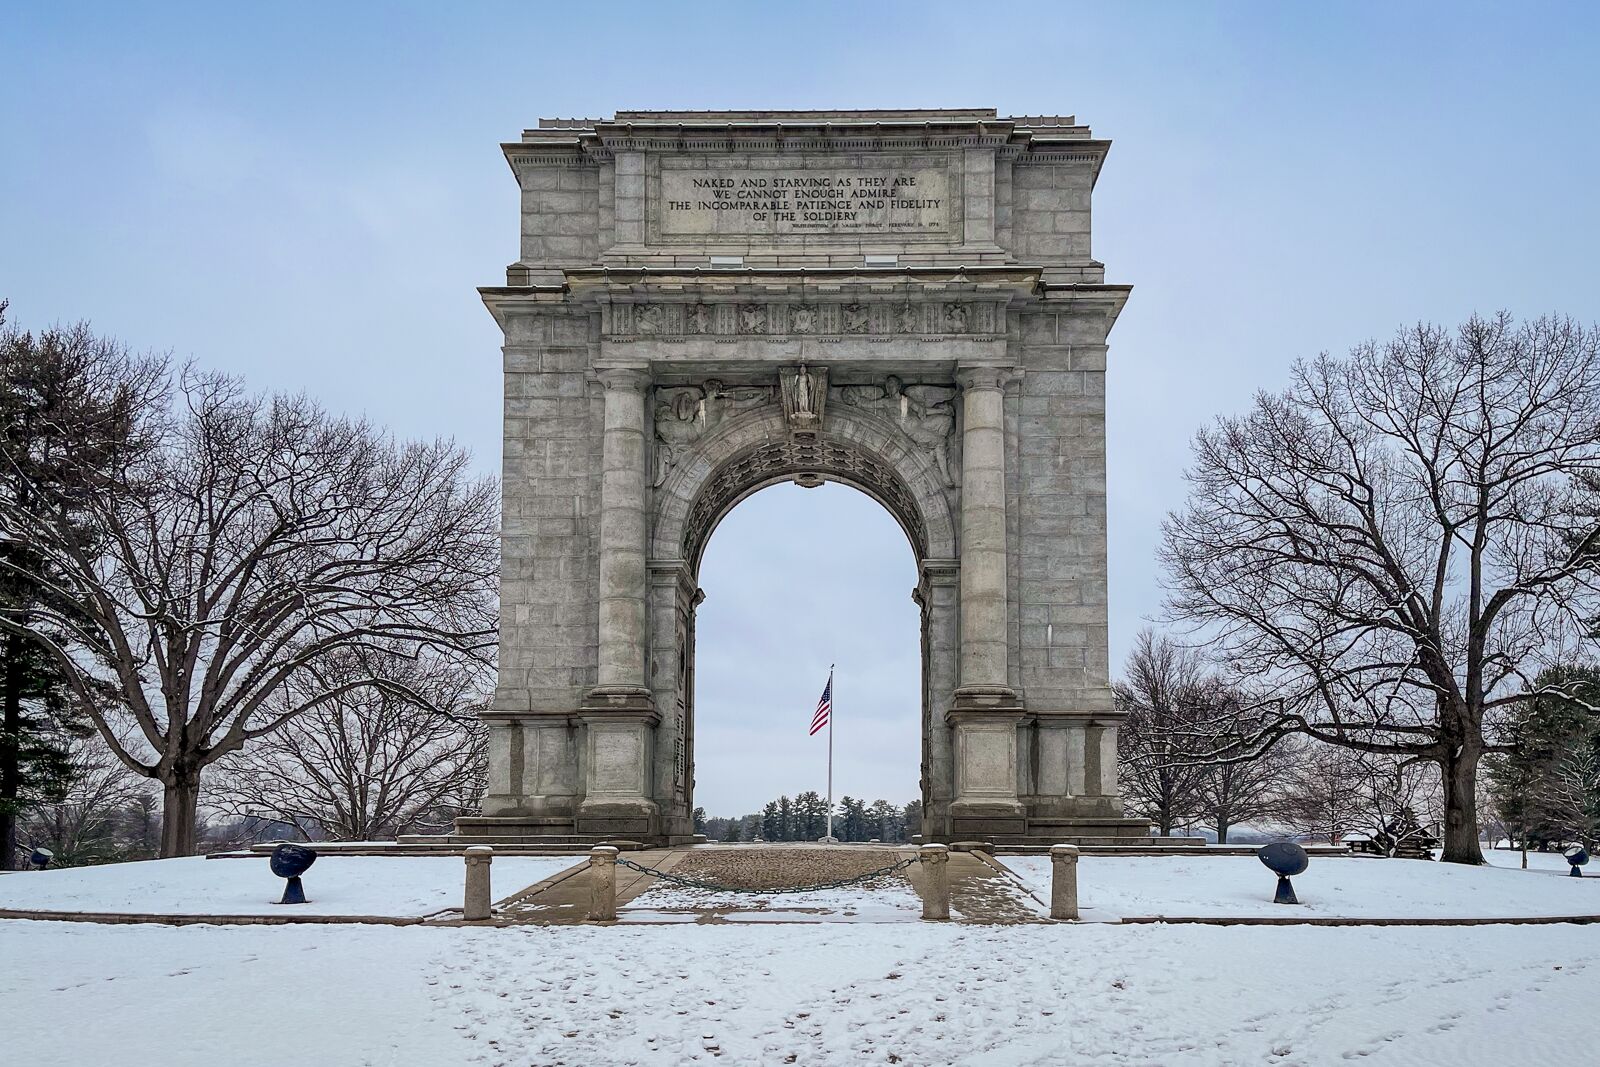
x: 134, y: 918
x: 1327, y: 920
x: 129, y: 918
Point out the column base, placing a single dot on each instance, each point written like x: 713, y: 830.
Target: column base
x: 619, y: 757
x: 985, y: 749
x: 984, y: 819
x: 985, y: 698
x: 619, y: 698
x: 628, y: 817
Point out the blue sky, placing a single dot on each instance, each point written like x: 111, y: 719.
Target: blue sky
x: 308, y: 194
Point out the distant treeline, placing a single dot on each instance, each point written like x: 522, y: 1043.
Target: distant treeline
x: 805, y: 818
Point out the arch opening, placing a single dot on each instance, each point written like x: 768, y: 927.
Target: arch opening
x: 796, y: 580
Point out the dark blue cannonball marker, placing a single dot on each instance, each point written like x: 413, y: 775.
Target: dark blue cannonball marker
x: 1577, y: 855
x: 1284, y: 858
x: 291, y: 861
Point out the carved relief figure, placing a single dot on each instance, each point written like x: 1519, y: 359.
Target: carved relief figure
x: 680, y: 418
x: 927, y: 414
x: 855, y: 318
x: 729, y: 402
x: 684, y: 413
x: 955, y: 318
x: 906, y: 320
x: 805, y: 319
x: 804, y: 393
x: 700, y: 318
x: 752, y: 318
x: 650, y: 318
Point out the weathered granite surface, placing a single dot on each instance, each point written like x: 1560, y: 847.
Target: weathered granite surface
x: 710, y: 302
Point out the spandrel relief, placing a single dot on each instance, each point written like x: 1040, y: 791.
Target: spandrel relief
x: 927, y: 414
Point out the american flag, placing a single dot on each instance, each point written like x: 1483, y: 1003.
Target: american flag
x: 824, y: 707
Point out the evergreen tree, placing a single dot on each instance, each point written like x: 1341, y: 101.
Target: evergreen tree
x: 68, y: 405
x: 785, y: 820
x: 699, y: 820
x: 1537, y: 788
x: 883, y: 821
x: 911, y: 820
x: 771, y: 822
x: 810, y: 816
x: 852, y: 823
x: 732, y: 832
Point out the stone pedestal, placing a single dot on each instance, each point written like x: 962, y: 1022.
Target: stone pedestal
x: 986, y: 802
x: 1063, y: 881
x: 617, y: 760
x: 477, y: 901
x: 603, y: 884
x: 935, y: 868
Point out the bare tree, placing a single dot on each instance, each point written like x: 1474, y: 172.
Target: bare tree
x: 1322, y: 791
x: 1401, y: 537
x: 258, y: 538
x: 1240, y: 782
x: 1333, y: 791
x: 86, y: 825
x: 1162, y: 696
x: 373, y: 763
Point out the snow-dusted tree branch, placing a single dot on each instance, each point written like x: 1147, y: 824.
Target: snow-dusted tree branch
x: 376, y: 762
x: 1162, y: 694
x: 1187, y: 751
x: 256, y: 539
x: 1396, y: 543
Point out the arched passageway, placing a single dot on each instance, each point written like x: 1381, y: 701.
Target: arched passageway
x: 796, y: 579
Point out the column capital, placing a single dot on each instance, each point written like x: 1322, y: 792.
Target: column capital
x: 974, y: 378
x: 624, y: 379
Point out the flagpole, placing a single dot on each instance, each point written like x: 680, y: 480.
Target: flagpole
x: 834, y: 704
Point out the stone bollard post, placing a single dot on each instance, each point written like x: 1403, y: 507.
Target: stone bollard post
x: 602, y: 883
x: 935, y: 861
x: 476, y: 906
x: 1063, y: 881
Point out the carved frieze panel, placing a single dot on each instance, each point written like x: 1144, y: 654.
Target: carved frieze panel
x: 804, y: 318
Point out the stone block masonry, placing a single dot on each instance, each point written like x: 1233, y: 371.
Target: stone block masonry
x: 708, y: 302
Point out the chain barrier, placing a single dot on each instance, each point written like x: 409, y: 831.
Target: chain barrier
x: 717, y: 887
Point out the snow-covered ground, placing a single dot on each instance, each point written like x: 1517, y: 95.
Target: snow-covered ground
x: 1537, y: 861
x: 1110, y: 887
x: 912, y: 993
x: 335, y: 885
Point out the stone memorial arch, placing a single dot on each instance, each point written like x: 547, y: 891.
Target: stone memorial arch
x: 708, y: 303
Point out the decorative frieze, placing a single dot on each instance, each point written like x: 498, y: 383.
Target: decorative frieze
x: 804, y: 318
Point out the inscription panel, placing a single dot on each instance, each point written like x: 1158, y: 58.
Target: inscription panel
x: 890, y: 198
